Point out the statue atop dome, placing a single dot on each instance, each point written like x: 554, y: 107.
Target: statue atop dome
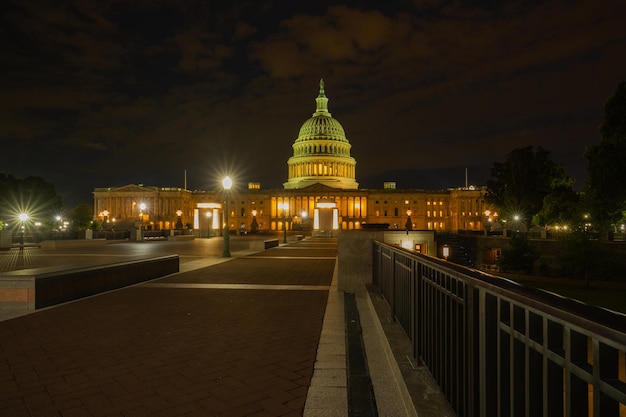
x: 322, y: 101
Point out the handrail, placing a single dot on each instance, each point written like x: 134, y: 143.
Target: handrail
x: 499, y: 348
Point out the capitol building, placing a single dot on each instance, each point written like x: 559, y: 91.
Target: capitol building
x: 321, y: 196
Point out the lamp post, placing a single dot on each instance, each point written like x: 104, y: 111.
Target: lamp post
x: 409, y: 223
x: 226, y: 183
x: 254, y: 225
x: 304, y: 222
x: 284, y: 206
x: 23, y: 217
x: 105, y: 217
x: 487, y: 220
x: 209, y: 215
x: 179, y: 221
x: 142, y: 206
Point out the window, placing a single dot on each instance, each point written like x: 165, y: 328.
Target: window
x: 395, y: 211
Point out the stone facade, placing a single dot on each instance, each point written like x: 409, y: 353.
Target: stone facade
x: 321, y: 195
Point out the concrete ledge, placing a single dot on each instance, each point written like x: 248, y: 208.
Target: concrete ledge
x: 30, y: 289
x: 266, y: 244
x: 73, y: 243
x: 390, y: 390
x: 181, y: 237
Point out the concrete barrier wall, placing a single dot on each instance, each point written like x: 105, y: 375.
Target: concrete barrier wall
x: 35, y: 288
x: 6, y: 239
x: 265, y: 244
x: 70, y: 243
x: 354, y: 257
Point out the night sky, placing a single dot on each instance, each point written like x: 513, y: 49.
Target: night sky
x: 107, y: 93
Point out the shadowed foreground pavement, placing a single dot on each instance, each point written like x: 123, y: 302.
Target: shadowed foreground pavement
x: 237, y: 338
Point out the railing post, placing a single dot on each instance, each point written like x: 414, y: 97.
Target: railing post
x: 392, y: 285
x: 415, y: 300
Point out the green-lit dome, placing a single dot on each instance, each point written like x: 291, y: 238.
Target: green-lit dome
x: 322, y: 126
x: 321, y: 153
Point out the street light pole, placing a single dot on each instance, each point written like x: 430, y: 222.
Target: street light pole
x: 409, y: 223
x: 142, y: 206
x: 284, y: 206
x: 23, y: 217
x: 226, y: 183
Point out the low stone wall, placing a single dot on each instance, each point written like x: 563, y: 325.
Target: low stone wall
x: 266, y: 244
x: 6, y: 239
x: 70, y: 243
x: 181, y: 237
x: 30, y: 289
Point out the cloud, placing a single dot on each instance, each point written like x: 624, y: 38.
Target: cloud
x: 422, y: 84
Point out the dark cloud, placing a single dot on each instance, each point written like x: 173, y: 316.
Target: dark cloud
x: 101, y: 93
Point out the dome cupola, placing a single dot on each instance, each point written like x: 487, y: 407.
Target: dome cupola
x: 321, y: 153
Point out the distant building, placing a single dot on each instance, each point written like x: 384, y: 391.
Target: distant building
x: 320, y: 195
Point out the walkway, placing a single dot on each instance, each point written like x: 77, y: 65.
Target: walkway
x: 236, y: 338
x: 260, y: 334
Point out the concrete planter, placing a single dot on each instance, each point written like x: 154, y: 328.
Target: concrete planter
x: 6, y: 239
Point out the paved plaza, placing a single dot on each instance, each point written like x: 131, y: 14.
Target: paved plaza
x: 260, y: 334
x: 235, y: 338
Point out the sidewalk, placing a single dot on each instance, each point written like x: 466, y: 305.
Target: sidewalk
x: 259, y: 334
x: 238, y: 338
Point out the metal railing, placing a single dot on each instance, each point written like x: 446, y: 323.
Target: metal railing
x: 497, y: 348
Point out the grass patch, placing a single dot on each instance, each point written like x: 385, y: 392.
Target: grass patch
x: 611, y: 298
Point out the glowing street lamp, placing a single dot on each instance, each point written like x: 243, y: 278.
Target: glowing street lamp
x: 23, y: 218
x: 409, y: 223
x: 305, y: 225
x: 179, y: 221
x: 227, y: 183
x: 446, y: 252
x: 284, y: 206
x: 254, y: 225
x: 142, y: 206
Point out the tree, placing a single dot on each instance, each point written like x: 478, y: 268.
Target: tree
x: 561, y: 206
x: 519, y: 256
x: 520, y: 184
x: 81, y: 217
x: 605, y: 189
x: 582, y: 257
x: 32, y: 195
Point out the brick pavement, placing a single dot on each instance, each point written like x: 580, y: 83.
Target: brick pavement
x: 233, y: 339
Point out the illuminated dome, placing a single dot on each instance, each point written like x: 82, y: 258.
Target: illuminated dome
x: 321, y: 153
